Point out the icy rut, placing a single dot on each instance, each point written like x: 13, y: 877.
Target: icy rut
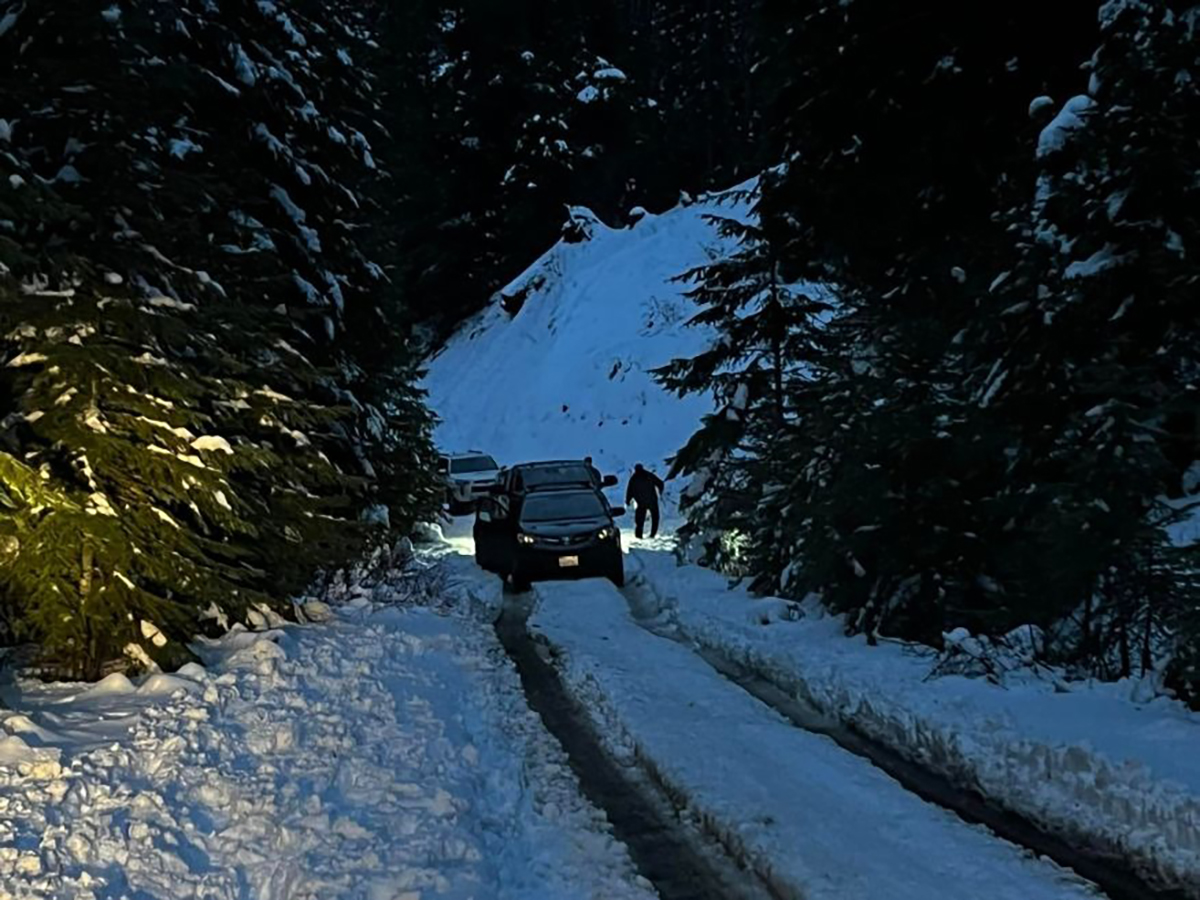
x: 812, y: 820
x: 388, y: 759
x: 1107, y: 767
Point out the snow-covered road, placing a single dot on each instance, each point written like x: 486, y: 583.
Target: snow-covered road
x: 384, y: 756
x: 390, y: 754
x: 811, y: 819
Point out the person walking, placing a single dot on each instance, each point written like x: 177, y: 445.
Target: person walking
x: 644, y: 487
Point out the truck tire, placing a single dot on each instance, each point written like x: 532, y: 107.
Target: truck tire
x: 520, y: 583
x: 616, y: 573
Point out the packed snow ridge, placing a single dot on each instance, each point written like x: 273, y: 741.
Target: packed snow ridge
x: 387, y: 753
x: 1109, y: 766
x: 811, y: 820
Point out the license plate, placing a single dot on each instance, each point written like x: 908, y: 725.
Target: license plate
x: 568, y: 562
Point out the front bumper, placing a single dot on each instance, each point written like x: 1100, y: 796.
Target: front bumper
x: 541, y: 563
x: 470, y: 491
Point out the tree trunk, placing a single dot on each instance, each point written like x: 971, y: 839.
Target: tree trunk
x: 777, y: 343
x: 1086, y: 638
x: 87, y: 567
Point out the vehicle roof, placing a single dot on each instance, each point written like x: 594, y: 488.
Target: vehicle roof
x: 572, y: 490
x: 548, y: 462
x: 465, y: 453
x: 567, y: 487
x: 576, y: 485
x: 578, y: 479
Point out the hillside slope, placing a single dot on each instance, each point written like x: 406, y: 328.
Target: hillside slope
x: 568, y: 374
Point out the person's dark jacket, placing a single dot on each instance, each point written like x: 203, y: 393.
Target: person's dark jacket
x: 644, y: 487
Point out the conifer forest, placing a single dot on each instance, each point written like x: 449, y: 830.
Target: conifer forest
x: 944, y: 332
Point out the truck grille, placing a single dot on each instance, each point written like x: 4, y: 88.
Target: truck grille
x: 567, y: 541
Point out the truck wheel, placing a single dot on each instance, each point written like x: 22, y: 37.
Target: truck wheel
x: 616, y: 574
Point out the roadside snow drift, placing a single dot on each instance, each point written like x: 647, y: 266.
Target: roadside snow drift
x: 813, y: 821
x: 567, y: 375
x: 1111, y: 766
x: 388, y: 755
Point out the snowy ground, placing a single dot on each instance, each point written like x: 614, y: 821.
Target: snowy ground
x: 1112, y: 765
x: 815, y: 821
x: 388, y: 755
x: 568, y: 375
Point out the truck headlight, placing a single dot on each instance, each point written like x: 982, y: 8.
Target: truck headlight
x: 606, y: 532
x: 525, y: 539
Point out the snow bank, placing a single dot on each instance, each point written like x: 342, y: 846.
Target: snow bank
x: 388, y: 754
x: 810, y: 819
x: 569, y: 374
x: 1070, y: 119
x: 1094, y: 762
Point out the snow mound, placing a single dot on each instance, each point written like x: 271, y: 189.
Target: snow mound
x: 114, y: 684
x: 1057, y: 135
x: 389, y: 757
x: 808, y: 818
x: 559, y: 364
x: 1093, y: 762
x: 32, y: 762
x: 160, y: 685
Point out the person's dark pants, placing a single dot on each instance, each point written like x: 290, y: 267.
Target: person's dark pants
x: 639, y: 518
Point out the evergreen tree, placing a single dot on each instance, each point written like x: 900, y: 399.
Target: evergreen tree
x: 702, y: 62
x: 770, y: 335
x: 521, y: 110
x: 896, y: 189
x: 525, y: 116
x: 900, y: 125
x: 180, y: 293
x: 1088, y: 352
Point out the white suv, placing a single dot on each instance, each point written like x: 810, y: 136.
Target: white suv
x: 469, y: 476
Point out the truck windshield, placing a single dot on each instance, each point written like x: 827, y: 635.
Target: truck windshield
x: 469, y: 464
x: 567, y: 473
x: 556, y: 507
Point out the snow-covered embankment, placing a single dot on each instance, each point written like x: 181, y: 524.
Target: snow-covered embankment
x: 386, y: 754
x: 568, y: 374
x: 808, y: 818
x: 1099, y: 764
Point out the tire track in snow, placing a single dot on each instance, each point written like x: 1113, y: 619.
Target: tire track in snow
x: 680, y: 864
x: 1116, y: 881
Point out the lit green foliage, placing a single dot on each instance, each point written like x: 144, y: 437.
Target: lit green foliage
x: 185, y: 317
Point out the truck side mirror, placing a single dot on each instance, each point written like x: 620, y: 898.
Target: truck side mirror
x: 617, y: 511
x: 609, y: 481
